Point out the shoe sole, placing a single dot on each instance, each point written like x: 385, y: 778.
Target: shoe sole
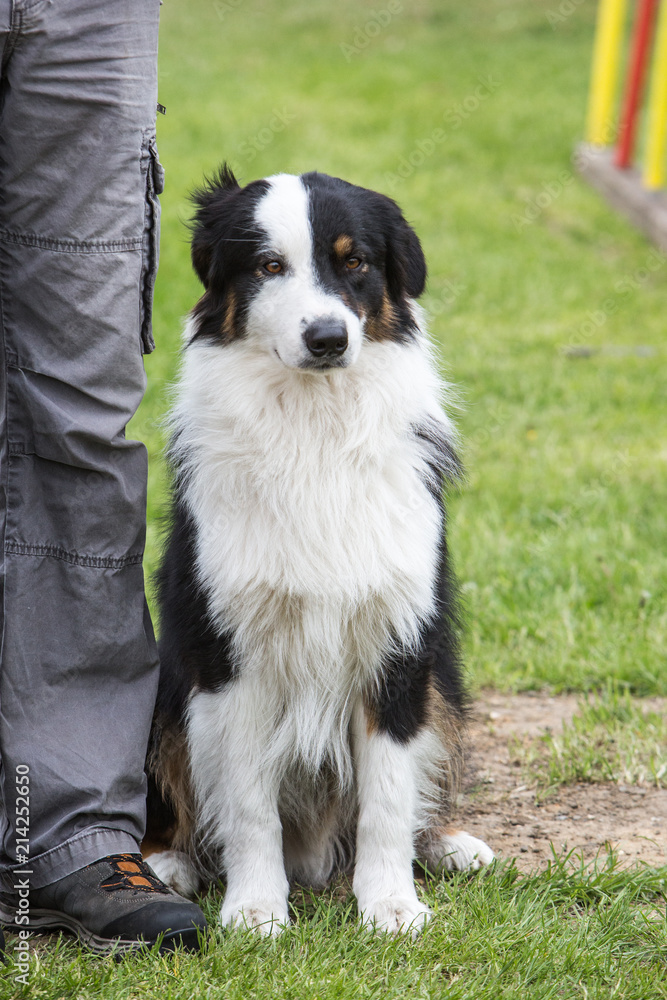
x: 45, y: 921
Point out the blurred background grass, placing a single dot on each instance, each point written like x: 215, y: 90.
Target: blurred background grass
x: 547, y: 308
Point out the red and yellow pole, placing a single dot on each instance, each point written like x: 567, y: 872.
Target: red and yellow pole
x: 639, y: 58
x: 655, y: 168
x: 600, y: 129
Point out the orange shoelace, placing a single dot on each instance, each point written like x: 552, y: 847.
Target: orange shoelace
x: 129, y: 871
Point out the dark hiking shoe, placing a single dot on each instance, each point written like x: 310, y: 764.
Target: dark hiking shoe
x: 117, y: 903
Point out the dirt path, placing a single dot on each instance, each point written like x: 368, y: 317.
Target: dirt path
x: 504, y: 812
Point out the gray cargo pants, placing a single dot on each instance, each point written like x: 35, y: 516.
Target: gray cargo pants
x: 79, y: 218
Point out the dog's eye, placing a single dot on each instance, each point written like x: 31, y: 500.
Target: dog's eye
x: 352, y: 263
x: 273, y: 267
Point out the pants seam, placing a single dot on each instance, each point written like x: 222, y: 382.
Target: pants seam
x: 14, y: 32
x: 74, y: 558
x: 4, y: 513
x: 70, y: 246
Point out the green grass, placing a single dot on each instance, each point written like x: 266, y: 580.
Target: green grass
x: 573, y: 931
x: 560, y: 532
x: 612, y: 738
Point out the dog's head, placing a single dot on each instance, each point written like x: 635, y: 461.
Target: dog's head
x: 306, y: 267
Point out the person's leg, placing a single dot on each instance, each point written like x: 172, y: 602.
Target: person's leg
x: 79, y: 180
x: 78, y: 250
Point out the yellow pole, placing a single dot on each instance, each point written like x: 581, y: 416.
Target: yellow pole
x: 604, y: 75
x: 656, y: 147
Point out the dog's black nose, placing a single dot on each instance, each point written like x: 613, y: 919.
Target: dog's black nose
x: 326, y: 338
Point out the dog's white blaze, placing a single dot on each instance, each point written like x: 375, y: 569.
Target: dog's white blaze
x: 283, y: 214
x: 289, y: 302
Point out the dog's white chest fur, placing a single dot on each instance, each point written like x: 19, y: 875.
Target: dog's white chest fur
x: 317, y: 538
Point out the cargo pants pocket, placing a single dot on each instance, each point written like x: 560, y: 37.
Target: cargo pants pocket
x: 150, y: 251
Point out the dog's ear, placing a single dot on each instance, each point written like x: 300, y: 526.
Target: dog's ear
x: 209, y: 200
x: 404, y: 261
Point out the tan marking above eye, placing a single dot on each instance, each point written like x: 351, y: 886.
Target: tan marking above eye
x: 273, y: 267
x: 343, y: 245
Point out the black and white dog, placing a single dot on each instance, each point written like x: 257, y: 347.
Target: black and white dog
x: 311, y: 708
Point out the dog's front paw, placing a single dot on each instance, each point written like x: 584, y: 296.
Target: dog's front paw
x: 265, y: 916
x: 396, y: 915
x: 461, y: 852
x: 176, y: 870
